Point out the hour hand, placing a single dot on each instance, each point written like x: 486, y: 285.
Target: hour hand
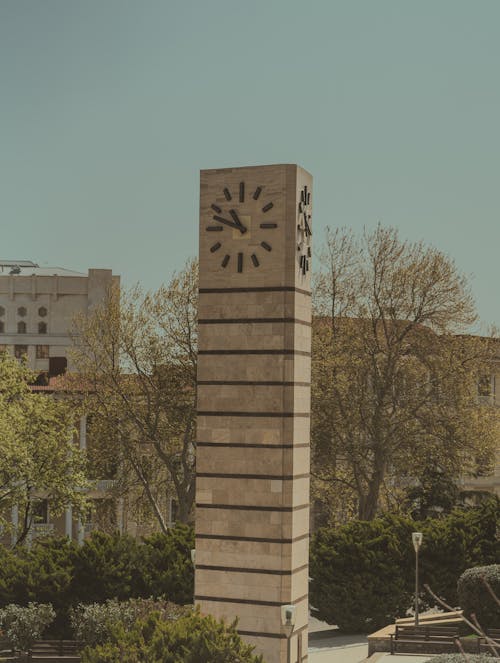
x: 231, y: 224
x: 237, y: 221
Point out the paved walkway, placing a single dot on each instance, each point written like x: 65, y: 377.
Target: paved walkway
x: 327, y: 645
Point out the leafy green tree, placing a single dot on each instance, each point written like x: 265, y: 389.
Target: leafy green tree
x: 37, y: 456
x: 395, y: 372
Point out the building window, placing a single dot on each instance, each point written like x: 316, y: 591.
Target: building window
x: 3, y: 348
x: 2, y: 311
x: 21, y: 311
x: 20, y: 351
x: 42, y: 327
x: 40, y: 510
x: 2, y: 327
x: 42, y: 311
x: 42, y: 351
x: 21, y: 327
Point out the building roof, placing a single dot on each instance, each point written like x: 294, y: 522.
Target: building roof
x: 29, y: 268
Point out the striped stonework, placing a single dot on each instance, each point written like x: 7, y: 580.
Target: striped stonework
x: 252, y: 491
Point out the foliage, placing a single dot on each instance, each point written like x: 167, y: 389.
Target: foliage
x: 465, y: 538
x: 190, y: 639
x: 168, y: 570
x: 363, y: 572
x: 94, y: 624
x: 22, y: 626
x: 359, y: 573
x: 37, y: 456
x: 137, y: 356
x: 475, y: 598
x: 107, y: 566
x: 393, y: 370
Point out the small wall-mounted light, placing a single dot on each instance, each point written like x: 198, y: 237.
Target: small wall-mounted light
x: 193, y: 556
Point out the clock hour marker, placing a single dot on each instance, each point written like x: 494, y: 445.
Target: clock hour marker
x: 215, y: 247
x: 227, y: 194
x: 267, y: 207
x: 268, y: 225
x: 214, y: 228
x: 255, y: 260
x: 240, y: 262
x: 242, y: 192
x: 266, y: 246
x: 225, y: 260
x: 257, y: 192
x: 216, y: 209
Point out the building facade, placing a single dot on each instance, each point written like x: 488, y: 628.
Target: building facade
x: 37, y: 305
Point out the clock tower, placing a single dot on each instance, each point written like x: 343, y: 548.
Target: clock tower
x: 254, y: 364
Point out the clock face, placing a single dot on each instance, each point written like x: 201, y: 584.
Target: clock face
x: 304, y: 233
x: 242, y: 226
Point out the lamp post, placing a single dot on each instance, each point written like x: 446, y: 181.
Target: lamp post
x: 287, y: 623
x: 417, y: 538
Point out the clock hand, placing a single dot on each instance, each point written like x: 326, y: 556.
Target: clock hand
x: 237, y: 221
x: 231, y: 224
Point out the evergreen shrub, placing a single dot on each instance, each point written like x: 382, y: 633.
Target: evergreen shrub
x: 190, y: 639
x: 363, y: 573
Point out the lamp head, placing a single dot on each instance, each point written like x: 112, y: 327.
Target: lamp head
x: 193, y: 556
x: 288, y: 619
x: 417, y: 538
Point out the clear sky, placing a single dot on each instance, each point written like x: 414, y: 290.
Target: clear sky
x: 109, y: 109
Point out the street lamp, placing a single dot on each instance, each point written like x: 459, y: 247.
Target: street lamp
x: 417, y: 538
x: 288, y: 622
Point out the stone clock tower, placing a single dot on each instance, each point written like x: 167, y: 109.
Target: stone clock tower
x: 254, y: 365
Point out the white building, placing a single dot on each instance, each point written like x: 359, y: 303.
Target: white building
x: 37, y: 305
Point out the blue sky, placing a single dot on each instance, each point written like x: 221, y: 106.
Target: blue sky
x: 109, y: 109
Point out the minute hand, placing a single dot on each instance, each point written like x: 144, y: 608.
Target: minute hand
x: 231, y: 224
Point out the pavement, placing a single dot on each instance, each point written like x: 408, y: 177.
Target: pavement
x: 327, y: 645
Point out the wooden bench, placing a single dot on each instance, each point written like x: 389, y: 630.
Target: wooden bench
x: 60, y: 650
x: 432, y: 635
x: 482, y: 644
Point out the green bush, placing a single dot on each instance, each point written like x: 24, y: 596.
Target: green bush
x: 168, y: 570
x: 107, y: 566
x: 360, y: 573
x: 475, y: 598
x: 94, y: 624
x: 463, y: 539
x: 22, y: 626
x: 190, y: 639
x: 363, y: 573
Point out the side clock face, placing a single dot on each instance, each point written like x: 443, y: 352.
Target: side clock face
x: 242, y: 227
x: 304, y: 233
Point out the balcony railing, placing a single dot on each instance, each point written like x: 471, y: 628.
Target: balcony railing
x: 42, y: 529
